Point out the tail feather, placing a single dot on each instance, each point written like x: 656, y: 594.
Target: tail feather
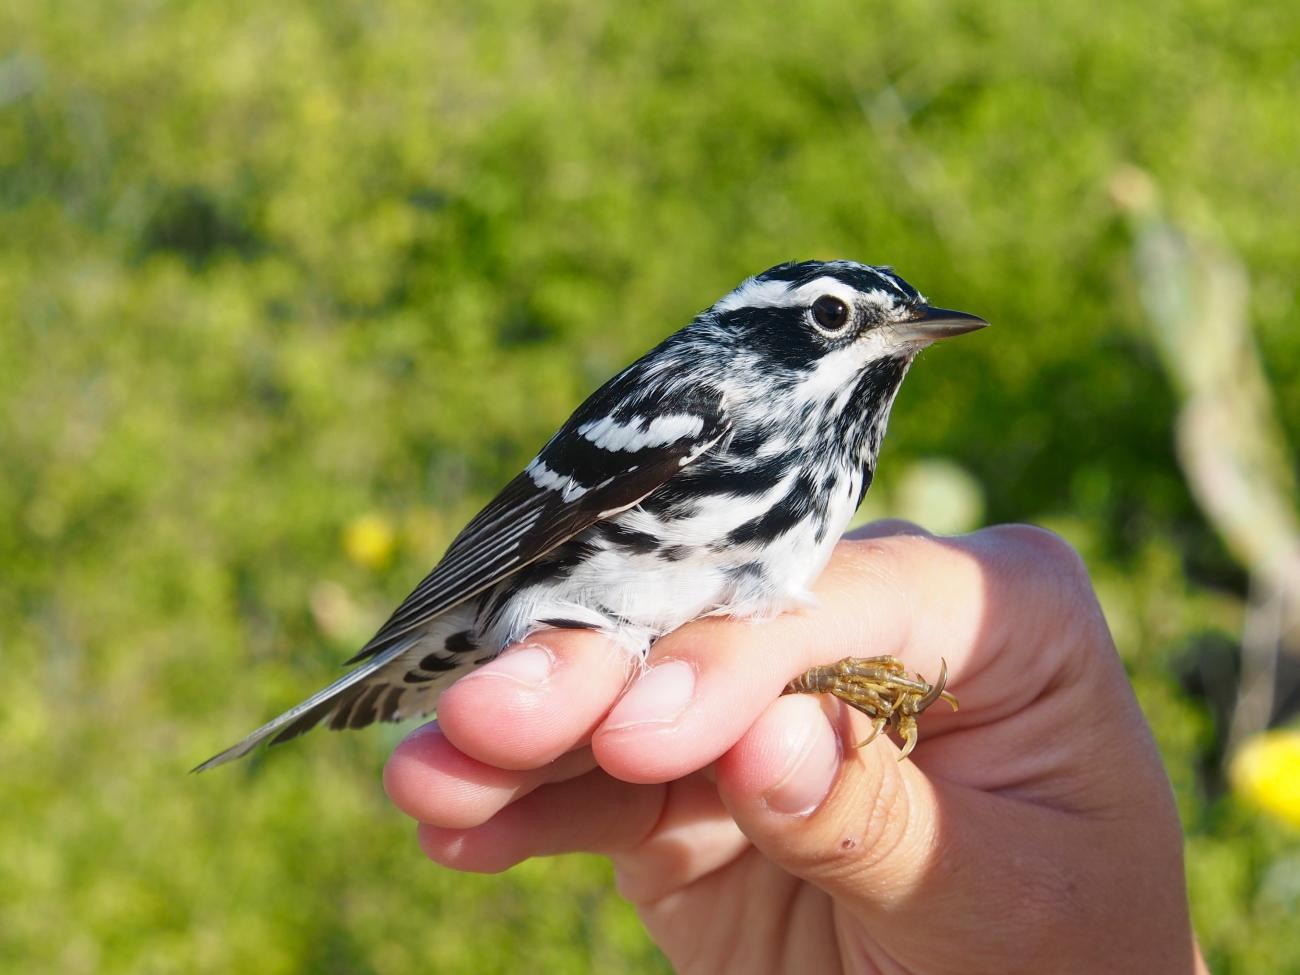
x: 378, y: 690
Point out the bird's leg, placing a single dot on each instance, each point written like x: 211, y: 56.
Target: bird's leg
x: 879, y: 688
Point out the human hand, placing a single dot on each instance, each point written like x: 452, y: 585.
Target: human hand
x: 1033, y: 831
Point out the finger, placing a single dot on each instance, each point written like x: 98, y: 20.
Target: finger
x: 661, y: 837
x: 908, y: 855
x: 432, y: 781
x: 694, y: 837
x: 913, y: 596
x: 593, y: 813
x: 535, y: 702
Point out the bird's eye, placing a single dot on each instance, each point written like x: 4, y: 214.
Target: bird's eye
x: 830, y: 313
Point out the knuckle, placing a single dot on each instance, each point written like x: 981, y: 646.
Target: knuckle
x: 1043, y: 555
x: 1041, y: 542
x: 1040, y: 571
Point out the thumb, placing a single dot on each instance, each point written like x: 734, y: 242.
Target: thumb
x: 885, y: 841
x: 854, y: 821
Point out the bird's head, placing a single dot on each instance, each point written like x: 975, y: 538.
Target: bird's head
x: 830, y: 341
x: 815, y: 314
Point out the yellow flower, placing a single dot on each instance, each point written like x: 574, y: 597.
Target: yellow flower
x: 1266, y: 774
x: 369, y: 540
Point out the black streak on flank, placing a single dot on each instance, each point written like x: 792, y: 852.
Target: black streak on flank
x: 781, y: 517
x: 672, y: 501
x: 620, y: 536
x: 675, y: 553
x: 820, y: 534
x: 558, y: 564
x: 742, y: 478
x: 746, y: 442
x: 746, y: 570
x: 561, y: 623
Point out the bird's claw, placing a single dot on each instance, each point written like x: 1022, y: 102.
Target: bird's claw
x: 880, y: 688
x: 937, y: 691
x: 877, y: 725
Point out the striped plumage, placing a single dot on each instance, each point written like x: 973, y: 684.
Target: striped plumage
x: 712, y: 476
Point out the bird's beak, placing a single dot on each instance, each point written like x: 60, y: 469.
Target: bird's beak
x: 931, y: 324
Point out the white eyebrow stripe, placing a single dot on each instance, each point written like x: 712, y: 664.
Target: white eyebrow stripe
x: 753, y: 293
x: 610, y: 434
x: 779, y: 294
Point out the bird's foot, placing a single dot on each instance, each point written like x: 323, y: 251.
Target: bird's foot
x: 880, y: 688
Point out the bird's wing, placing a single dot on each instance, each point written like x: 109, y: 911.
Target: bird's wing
x: 610, y: 455
x: 617, y: 448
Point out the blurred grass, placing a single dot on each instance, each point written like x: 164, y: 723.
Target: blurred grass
x: 268, y: 270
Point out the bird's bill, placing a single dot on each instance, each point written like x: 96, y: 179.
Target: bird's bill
x: 932, y: 324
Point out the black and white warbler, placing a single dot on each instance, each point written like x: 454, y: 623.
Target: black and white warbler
x: 710, y: 477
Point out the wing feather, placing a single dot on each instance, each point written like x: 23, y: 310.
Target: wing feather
x: 527, y: 520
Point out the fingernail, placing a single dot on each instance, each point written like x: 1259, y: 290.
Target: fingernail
x: 806, y: 779
x: 529, y: 665
x: 658, y: 697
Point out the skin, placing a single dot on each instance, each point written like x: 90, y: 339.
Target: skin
x: 1032, y: 831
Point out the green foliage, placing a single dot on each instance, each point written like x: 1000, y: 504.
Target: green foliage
x: 264, y: 268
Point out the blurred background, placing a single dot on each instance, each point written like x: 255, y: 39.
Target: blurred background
x: 287, y: 290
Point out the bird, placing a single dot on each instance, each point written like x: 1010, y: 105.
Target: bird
x: 711, y: 477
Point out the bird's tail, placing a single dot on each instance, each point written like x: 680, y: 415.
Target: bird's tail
x: 402, y: 682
